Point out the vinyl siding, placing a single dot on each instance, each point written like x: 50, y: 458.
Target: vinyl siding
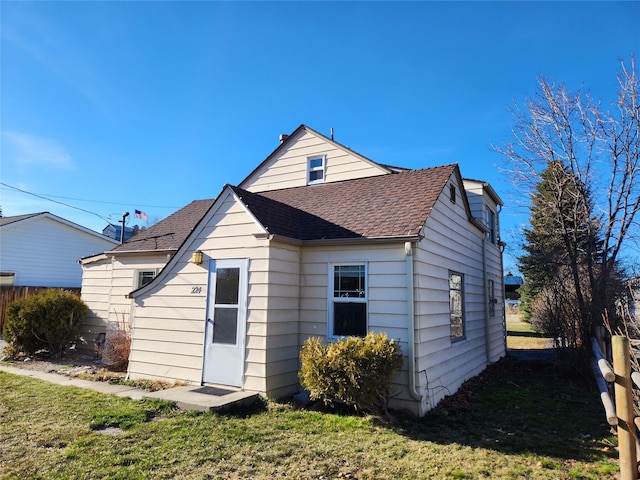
x: 170, y: 311
x: 387, y: 295
x: 288, y: 168
x: 44, y: 252
x: 451, y: 243
x: 106, y: 285
x: 479, y: 201
x: 281, y: 339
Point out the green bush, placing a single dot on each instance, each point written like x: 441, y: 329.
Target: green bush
x: 49, y: 320
x: 356, y: 371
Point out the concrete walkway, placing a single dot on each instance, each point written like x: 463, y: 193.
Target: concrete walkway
x: 186, y: 397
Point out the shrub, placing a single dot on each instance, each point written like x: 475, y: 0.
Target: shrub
x: 49, y: 320
x: 356, y: 371
x: 117, y: 347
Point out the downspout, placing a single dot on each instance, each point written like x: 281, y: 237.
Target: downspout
x: 502, y: 246
x: 408, y: 249
x: 487, y: 337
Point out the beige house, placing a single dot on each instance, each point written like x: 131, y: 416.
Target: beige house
x: 321, y: 241
x: 109, y: 277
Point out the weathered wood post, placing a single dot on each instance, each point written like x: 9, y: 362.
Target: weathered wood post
x: 624, y: 408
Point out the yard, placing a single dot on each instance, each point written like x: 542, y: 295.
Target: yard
x: 517, y: 420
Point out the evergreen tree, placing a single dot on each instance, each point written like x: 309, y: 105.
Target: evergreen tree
x: 561, y: 245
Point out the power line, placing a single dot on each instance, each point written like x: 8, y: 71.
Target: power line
x: 46, y: 195
x: 55, y: 201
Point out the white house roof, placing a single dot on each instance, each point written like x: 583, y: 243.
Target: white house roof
x: 17, y: 220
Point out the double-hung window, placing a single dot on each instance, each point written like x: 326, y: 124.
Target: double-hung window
x: 316, y: 169
x: 456, y: 306
x: 347, y: 300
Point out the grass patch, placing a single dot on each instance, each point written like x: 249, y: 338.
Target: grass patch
x: 519, y: 420
x: 149, y: 385
x: 522, y: 336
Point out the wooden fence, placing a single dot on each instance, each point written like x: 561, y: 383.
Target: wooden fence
x: 620, y: 410
x: 9, y: 294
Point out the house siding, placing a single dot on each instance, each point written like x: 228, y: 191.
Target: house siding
x: 450, y: 243
x: 289, y: 167
x: 281, y: 338
x: 44, y: 252
x: 169, y: 320
x: 387, y: 297
x: 479, y: 201
x: 106, y: 285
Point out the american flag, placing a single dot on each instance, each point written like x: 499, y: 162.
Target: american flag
x: 141, y: 215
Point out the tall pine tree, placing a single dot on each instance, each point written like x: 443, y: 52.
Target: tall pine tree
x: 561, y: 249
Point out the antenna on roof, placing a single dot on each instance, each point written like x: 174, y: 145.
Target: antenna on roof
x: 331, y: 133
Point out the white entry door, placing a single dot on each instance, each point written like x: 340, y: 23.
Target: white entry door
x: 224, y: 338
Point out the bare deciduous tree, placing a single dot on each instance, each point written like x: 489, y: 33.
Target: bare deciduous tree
x: 600, y: 149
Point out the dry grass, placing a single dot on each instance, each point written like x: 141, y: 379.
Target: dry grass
x: 517, y: 420
x: 522, y: 336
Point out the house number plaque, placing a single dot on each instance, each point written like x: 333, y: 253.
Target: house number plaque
x: 195, y: 290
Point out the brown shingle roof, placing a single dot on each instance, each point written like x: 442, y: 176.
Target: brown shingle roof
x: 169, y: 233
x: 392, y: 205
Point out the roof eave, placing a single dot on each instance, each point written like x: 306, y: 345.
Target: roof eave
x: 114, y: 253
x: 361, y: 240
x: 479, y: 224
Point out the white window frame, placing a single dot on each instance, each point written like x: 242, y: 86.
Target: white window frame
x: 312, y: 169
x: 491, y: 221
x: 491, y: 294
x: 140, y: 272
x: 332, y: 300
x: 463, y: 335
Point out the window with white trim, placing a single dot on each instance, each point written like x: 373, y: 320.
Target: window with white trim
x: 491, y: 294
x: 347, y: 300
x: 144, y: 277
x: 490, y: 220
x: 316, y: 167
x: 456, y: 306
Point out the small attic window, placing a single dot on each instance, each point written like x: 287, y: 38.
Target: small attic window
x: 452, y: 193
x: 316, y: 166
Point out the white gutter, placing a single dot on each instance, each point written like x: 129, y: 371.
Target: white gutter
x: 408, y: 249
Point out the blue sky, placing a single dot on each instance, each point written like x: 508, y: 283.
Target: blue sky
x: 116, y: 106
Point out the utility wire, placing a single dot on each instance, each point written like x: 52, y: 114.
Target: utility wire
x: 45, y: 196
x: 55, y: 201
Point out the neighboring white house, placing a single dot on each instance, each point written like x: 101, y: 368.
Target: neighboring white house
x: 42, y: 250
x: 318, y: 241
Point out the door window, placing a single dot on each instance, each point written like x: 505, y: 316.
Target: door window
x: 225, y: 314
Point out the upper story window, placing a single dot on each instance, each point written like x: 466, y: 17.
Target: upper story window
x: 347, y: 300
x: 452, y: 193
x: 144, y: 277
x: 490, y: 220
x: 316, y: 169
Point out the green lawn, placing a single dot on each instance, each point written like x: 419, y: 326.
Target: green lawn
x: 519, y: 420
